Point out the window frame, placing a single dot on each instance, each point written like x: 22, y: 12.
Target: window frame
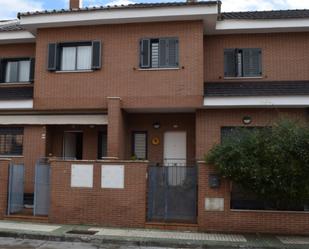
x: 151, y: 40
x: 74, y: 45
x: 12, y: 131
x: 133, y: 144
x: 239, y: 63
x: 5, y: 62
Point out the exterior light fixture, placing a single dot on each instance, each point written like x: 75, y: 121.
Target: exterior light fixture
x: 247, y: 120
x: 156, y: 125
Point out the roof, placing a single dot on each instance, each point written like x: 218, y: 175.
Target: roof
x: 130, y: 6
x: 16, y: 93
x: 261, y: 88
x: 10, y: 25
x: 273, y: 14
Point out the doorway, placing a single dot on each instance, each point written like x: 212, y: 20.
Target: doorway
x: 73, y: 145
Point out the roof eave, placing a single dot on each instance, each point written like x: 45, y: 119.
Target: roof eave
x: 207, y: 13
x: 11, y: 37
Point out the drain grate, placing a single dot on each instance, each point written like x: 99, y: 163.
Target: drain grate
x: 82, y: 232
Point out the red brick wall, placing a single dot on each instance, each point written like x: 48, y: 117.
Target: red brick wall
x: 4, y: 176
x: 17, y: 50
x: 285, y: 56
x: 107, y: 207
x: 119, y: 75
x: 144, y: 122
x: 243, y: 221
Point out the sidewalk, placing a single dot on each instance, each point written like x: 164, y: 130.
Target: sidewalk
x: 147, y: 237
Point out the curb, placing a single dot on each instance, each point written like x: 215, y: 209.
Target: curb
x: 131, y: 241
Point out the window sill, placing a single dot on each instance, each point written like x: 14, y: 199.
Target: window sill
x: 269, y: 211
x: 16, y: 83
x: 10, y: 156
x: 243, y: 78
x: 76, y: 71
x: 158, y: 69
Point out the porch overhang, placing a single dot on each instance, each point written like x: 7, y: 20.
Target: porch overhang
x: 73, y: 119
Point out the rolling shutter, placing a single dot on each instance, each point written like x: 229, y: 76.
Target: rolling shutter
x: 145, y: 53
x: 52, y: 57
x: 32, y: 68
x: 229, y: 63
x: 96, y: 55
x: 252, y: 64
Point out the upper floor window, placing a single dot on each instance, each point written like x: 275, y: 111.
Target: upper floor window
x: 76, y: 56
x: 11, y: 141
x: 159, y: 53
x: 246, y: 62
x: 17, y: 70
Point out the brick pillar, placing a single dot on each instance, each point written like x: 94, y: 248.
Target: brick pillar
x: 4, y: 179
x: 115, y: 129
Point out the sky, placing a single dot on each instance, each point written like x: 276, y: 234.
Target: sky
x: 10, y: 8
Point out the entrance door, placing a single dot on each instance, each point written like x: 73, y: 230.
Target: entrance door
x: 73, y: 145
x: 175, y: 148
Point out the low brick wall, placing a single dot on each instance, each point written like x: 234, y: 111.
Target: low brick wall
x: 124, y: 207
x: 240, y: 220
x: 4, y: 178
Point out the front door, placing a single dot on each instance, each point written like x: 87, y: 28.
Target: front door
x: 175, y: 148
x: 73, y: 145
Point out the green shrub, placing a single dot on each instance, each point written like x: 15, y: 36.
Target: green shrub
x: 272, y: 163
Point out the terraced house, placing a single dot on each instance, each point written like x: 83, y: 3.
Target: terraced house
x: 106, y: 113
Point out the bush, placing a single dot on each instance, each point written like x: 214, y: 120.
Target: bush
x: 272, y: 163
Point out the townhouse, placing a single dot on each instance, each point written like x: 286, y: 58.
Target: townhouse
x: 106, y: 113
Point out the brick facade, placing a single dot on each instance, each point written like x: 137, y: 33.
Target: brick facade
x: 285, y: 56
x: 120, y: 75
x: 109, y: 207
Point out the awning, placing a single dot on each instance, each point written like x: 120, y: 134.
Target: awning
x: 94, y: 119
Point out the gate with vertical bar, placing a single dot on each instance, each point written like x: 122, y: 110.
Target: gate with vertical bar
x: 172, y: 194
x: 16, y: 188
x: 42, y: 187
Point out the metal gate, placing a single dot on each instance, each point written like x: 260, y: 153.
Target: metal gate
x: 172, y: 194
x: 16, y: 188
x: 41, y: 188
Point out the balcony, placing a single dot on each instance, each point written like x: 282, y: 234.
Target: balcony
x: 16, y: 96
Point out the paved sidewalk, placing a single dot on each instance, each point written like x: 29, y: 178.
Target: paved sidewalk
x: 99, y: 237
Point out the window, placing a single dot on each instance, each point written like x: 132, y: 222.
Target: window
x: 17, y: 70
x: 11, y: 141
x: 159, y: 53
x: 102, y: 144
x: 76, y: 56
x: 139, y: 145
x: 246, y: 62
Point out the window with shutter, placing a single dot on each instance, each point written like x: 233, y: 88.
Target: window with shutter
x: 159, y: 53
x: 16, y: 70
x: 246, y: 62
x: 74, y: 56
x: 140, y: 145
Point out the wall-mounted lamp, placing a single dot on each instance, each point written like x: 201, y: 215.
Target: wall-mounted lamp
x: 247, y: 120
x: 156, y: 125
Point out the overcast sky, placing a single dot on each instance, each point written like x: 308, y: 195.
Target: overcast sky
x: 10, y: 8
